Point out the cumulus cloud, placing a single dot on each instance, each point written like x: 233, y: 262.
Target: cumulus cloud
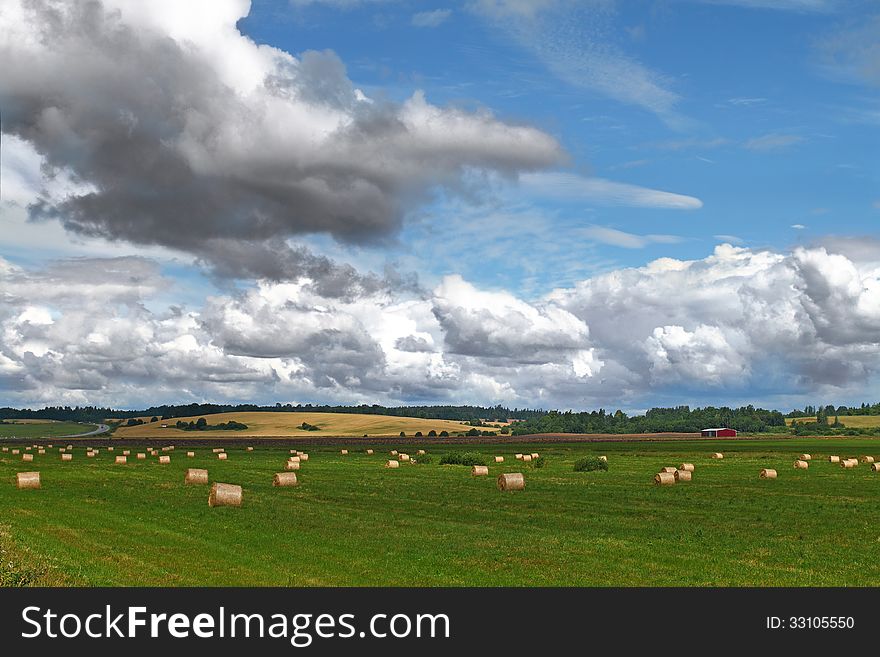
x: 740, y: 324
x: 189, y: 135
x: 433, y: 18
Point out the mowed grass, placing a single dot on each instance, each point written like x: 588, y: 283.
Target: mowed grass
x: 32, y: 429
x: 854, y: 421
x: 288, y: 424
x: 352, y: 522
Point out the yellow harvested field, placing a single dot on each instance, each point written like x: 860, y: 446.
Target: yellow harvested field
x: 854, y: 421
x: 288, y: 424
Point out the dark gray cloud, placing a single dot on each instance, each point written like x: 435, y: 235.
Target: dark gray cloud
x: 198, y: 139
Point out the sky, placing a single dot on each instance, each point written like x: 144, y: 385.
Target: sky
x: 537, y: 203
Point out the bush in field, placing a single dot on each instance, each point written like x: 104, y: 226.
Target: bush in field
x: 463, y: 458
x: 403, y: 434
x: 424, y: 458
x: 418, y: 434
x: 590, y: 463
x: 540, y: 462
x: 444, y: 434
x: 473, y: 432
x: 432, y: 433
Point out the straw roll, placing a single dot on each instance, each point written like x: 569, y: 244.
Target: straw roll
x: 511, y: 481
x: 768, y: 473
x: 195, y: 476
x: 224, y: 495
x: 664, y: 478
x: 285, y: 479
x: 479, y: 471
x: 27, y: 480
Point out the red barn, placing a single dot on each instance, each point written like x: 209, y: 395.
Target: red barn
x: 718, y: 433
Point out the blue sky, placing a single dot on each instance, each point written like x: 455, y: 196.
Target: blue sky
x: 532, y: 202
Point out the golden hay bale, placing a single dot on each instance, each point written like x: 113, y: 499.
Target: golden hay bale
x: 867, y: 459
x: 293, y: 451
x: 834, y: 459
x: 603, y: 458
x: 292, y: 465
x: 848, y: 463
x: 421, y: 452
x: 369, y: 452
x: 190, y: 455
x: 66, y: 457
x: 222, y: 456
x: 109, y: 449
x: 126, y: 452
x: 217, y: 450
x: 768, y: 473
x: 90, y: 454
x: 668, y: 469
x: 393, y: 452
x: 141, y: 456
x: 70, y: 447
x: 16, y: 452
x: 664, y: 478
x: 41, y: 452
x: 195, y: 476
x: 689, y: 467
x: 511, y: 481
x: 250, y: 449
x: 682, y: 475
x: 535, y: 455
x: 27, y: 480
x: 121, y: 460
x: 404, y: 457
x: 527, y: 457
x: 164, y: 460
x: 479, y: 471
x: 5, y: 449
x: 294, y: 459
x: 499, y: 459
x: 801, y: 465
x: 49, y: 446
x: 303, y: 457
x: 717, y: 455
x: 27, y: 457
x: 285, y: 479
x: 805, y: 457
x: 392, y: 464
x: 344, y: 452
x: 224, y: 495
x: 518, y: 457
x: 875, y: 467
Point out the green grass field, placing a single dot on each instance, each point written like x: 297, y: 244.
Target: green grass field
x: 43, y: 429
x: 352, y: 522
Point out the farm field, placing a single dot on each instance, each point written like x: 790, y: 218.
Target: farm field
x: 353, y: 522
x: 38, y: 429
x: 856, y: 421
x: 288, y: 424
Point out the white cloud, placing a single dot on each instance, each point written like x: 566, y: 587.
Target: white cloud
x: 615, y: 237
x: 599, y: 190
x: 772, y: 142
x: 798, y: 226
x: 820, y: 6
x: 433, y: 18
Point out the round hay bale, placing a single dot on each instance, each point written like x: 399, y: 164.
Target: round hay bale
x: 805, y: 457
x: 393, y: 452
x: 164, y: 460
x: 801, y: 465
x: 222, y: 456
x: 291, y: 465
x: 224, y: 495
x: 717, y: 455
x: 688, y: 467
x: 49, y: 445
x: 404, y: 457
x: 27, y: 480
x: 664, y: 478
x: 768, y: 473
x: 195, y: 476
x: 421, y: 452
x: 90, y: 454
x: 126, y: 452
x: 535, y: 455
x: 294, y: 459
x: 27, y: 457
x: 369, y: 452
x: 303, y: 457
x: 499, y: 459
x: 109, y: 449
x: 518, y: 457
x: 344, y: 452
x: 71, y: 447
x: 190, y: 455
x: 16, y: 452
x: 392, y: 464
x: 603, y: 458
x: 867, y: 459
x: 668, y: 469
x: 216, y: 450
x: 293, y: 451
x: 527, y: 458
x: 250, y: 449
x: 479, y: 471
x: 66, y: 457
x: 141, y: 456
x: 511, y: 481
x: 121, y: 460
x: 285, y: 479
x: 5, y: 449
x: 848, y: 463
x: 682, y: 475
x: 41, y: 452
x: 834, y: 459
x: 875, y: 467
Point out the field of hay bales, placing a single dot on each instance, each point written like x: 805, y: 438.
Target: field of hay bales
x: 40, y: 428
x: 854, y: 421
x: 352, y: 521
x: 288, y: 425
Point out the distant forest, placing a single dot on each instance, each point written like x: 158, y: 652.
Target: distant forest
x: 678, y: 419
